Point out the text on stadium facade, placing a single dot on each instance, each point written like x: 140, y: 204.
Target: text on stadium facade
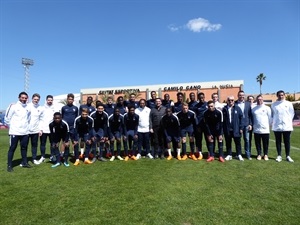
x: 180, y: 88
x: 121, y: 91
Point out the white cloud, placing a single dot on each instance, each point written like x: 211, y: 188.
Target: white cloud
x: 196, y: 25
x: 200, y: 24
x: 173, y: 28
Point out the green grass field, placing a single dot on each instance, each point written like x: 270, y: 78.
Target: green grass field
x: 153, y: 191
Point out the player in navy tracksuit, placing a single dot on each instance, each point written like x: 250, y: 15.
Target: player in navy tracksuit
x: 83, y: 131
x: 213, y: 119
x: 151, y: 102
x: 171, y: 127
x: 166, y: 102
x: 91, y: 109
x: 193, y: 102
x: 115, y: 130
x: 121, y: 105
x: 69, y: 113
x: 132, y: 101
x: 100, y: 129
x: 131, y: 122
x: 59, y: 131
x: 200, y: 108
x: 178, y: 105
x: 110, y: 106
x: 188, y: 121
x: 88, y: 105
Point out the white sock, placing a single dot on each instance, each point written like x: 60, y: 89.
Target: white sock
x: 86, y: 159
x: 178, y: 151
x: 169, y: 152
x: 81, y: 151
x: 77, y: 160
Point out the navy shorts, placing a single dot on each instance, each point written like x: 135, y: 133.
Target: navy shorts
x: 172, y: 138
x: 99, y: 134
x: 187, y: 130
x: 115, y: 134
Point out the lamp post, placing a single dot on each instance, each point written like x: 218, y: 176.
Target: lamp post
x: 27, y: 62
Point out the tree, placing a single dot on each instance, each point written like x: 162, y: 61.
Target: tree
x: 63, y: 101
x: 290, y: 98
x: 260, y: 79
x: 106, y: 96
x: 127, y: 94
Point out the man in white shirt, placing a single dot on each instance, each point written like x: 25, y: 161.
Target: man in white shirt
x: 282, y: 125
x: 143, y: 128
x: 35, y: 129
x: 215, y: 99
x: 17, y: 117
x: 48, y: 111
x: 262, y: 119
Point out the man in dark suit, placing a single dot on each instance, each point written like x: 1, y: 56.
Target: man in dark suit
x: 247, y: 121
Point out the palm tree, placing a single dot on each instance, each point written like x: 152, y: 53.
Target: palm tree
x: 260, y: 79
x: 63, y: 101
x: 106, y: 96
x: 127, y: 94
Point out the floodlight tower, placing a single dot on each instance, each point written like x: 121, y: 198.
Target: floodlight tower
x: 26, y: 62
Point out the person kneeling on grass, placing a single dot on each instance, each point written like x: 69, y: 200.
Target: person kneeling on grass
x: 59, y: 131
x: 115, y: 130
x: 84, y: 130
x: 130, y: 137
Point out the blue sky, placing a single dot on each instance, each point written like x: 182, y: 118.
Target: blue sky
x: 90, y: 44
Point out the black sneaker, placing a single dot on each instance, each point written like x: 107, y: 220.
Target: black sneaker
x: 102, y: 159
x: 9, y: 169
x: 26, y: 165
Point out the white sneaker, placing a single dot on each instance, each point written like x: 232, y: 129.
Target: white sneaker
x: 278, y: 159
x: 138, y: 156
x: 120, y: 158
x: 36, y: 162
x: 240, y: 158
x: 112, y: 158
x: 150, y: 156
x: 289, y: 159
x: 42, y: 159
x: 229, y: 157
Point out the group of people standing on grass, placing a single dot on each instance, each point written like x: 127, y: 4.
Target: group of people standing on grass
x: 155, y: 128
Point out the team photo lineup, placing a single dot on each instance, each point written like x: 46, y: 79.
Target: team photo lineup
x: 157, y: 128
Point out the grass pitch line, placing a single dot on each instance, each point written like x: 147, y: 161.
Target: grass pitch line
x: 292, y: 147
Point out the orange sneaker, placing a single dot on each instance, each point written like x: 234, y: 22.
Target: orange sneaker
x: 221, y: 159
x: 169, y: 157
x: 77, y: 162
x: 87, y: 161
x: 179, y: 157
x: 126, y: 158
x: 184, y: 157
x: 210, y: 159
x: 133, y: 157
x: 200, y: 156
x: 193, y: 157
